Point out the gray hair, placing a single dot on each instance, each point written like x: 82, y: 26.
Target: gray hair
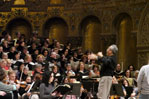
x: 38, y: 65
x: 114, y: 48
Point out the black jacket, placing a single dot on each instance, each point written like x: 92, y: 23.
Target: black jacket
x: 108, y: 65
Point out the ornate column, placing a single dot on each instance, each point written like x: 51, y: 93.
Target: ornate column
x: 143, y: 38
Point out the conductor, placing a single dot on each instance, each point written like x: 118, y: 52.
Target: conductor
x: 107, y: 69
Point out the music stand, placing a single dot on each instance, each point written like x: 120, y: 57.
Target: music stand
x: 75, y: 89
x: 129, y: 90
x: 90, y: 85
x: 63, y: 89
x: 116, y: 89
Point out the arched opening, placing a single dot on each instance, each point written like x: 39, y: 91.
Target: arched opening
x: 19, y: 2
x: 90, y: 29
x: 56, y: 28
x: 127, y: 54
x: 55, y: 1
x: 19, y: 25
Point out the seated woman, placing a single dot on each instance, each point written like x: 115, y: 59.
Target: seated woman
x: 81, y: 69
x: 128, y: 77
x: 95, y: 71
x: 20, y: 70
x: 69, y: 70
x: 31, y: 91
x: 6, y: 88
x: 37, y: 69
x: 128, y: 89
x: 47, y: 86
x: 25, y: 85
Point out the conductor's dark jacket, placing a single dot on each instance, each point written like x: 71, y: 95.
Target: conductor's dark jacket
x: 108, y: 65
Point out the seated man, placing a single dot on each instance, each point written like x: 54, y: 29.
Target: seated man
x: 118, y: 73
x: 6, y: 88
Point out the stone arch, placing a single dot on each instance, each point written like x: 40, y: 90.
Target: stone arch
x: 126, y: 41
x: 19, y: 24
x: 56, y: 28
x: 89, y: 30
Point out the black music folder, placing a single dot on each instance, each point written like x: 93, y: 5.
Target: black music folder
x: 129, y: 90
x: 116, y: 89
x: 76, y: 87
x: 63, y: 89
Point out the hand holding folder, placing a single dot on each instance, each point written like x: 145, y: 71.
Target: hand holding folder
x: 63, y: 89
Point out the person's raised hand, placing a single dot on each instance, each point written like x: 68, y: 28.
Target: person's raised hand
x: 93, y: 56
x: 100, y: 54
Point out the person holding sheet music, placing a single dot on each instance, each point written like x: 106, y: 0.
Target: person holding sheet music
x: 47, y: 86
x: 107, y: 70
